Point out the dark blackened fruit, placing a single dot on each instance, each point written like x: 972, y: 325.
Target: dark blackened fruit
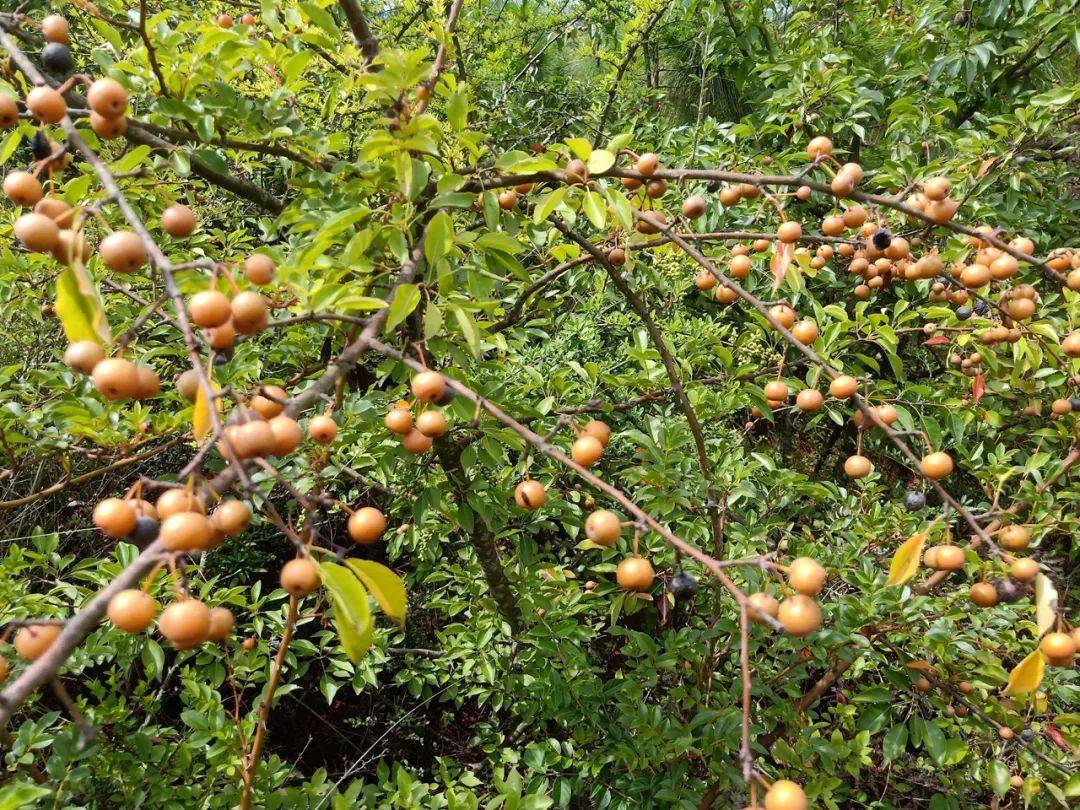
x: 914, y: 501
x: 145, y: 531
x: 40, y: 147
x: 963, y: 313
x: 1008, y: 590
x: 881, y: 238
x: 56, y: 57
x: 683, y: 584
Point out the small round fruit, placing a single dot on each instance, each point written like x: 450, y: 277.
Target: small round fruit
x: 789, y: 232
x: 761, y: 604
x: 175, y: 501
x: 508, y: 199
x: 806, y: 575
x: 809, y: 400
x: 949, y: 558
x: 252, y: 439
x: 366, y: 525
x: 776, y: 390
x: 800, y: 615
x: 145, y: 532
x: 115, y: 517
x: 635, y: 574
x: 33, y: 640
x: 22, y: 188
x: 185, y: 623
x: 843, y: 386
x: 122, y: 251
x: 56, y: 29
x: 705, y: 280
x: 586, y: 450
x: 209, y: 309
x: 1058, y: 645
x: 186, y: 531
x: 806, y: 332
x: 107, y: 97
x: 116, y: 378
x: 270, y: 401
x: 693, y: 206
x: 725, y: 295
x: 783, y: 314
x: 83, y: 355
x: 232, y: 517
x: 222, y: 622
x: 149, y: 383
x: 784, y: 794
x: 188, y: 384
x: 300, y: 577
x: 617, y: 256
x: 322, y: 429
x: 819, y: 147
x: 46, y: 105
x: 1014, y: 538
x: 5, y: 668
x: 1024, y: 569
x: 432, y: 423
x: 259, y: 269
x: 857, y: 466
x: 108, y: 128
x: 647, y: 164
x: 37, y: 232
x: 132, y: 610
x: 9, y: 112
x: 598, y: 430
x: 428, y: 386
x: 399, y: 420
x: 914, y: 501
x: 178, y: 220
x: 603, y: 527
x: 287, y: 435
x: 577, y: 172
x: 250, y: 311
x: 415, y: 442
x: 530, y: 494
x: 936, y: 466
x: 983, y: 594
x: 683, y: 584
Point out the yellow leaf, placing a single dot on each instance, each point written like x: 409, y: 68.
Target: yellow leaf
x: 200, y: 415
x: 384, y: 585
x: 78, y: 306
x: 1027, y: 675
x: 906, y: 560
x: 1046, y: 603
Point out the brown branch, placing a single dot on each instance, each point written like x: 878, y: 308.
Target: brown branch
x: 151, y: 54
x: 440, y: 55
x: 251, y: 767
x: 368, y: 42
x: 624, y: 64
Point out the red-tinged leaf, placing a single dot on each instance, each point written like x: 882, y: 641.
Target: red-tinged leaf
x: 936, y: 340
x: 985, y: 167
x: 923, y: 666
x: 779, y: 263
x: 978, y: 388
x: 1055, y: 735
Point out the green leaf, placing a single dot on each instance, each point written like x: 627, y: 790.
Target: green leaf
x: 321, y: 18
x: 600, y: 161
x: 21, y: 794
x: 593, y: 205
x: 439, y: 237
x: 384, y: 585
x: 580, y: 147
x: 468, y: 329
x: 998, y: 776
x: 352, y: 616
x: 935, y: 742
x: 78, y: 306
x: 549, y: 204
x: 895, y: 742
x: 406, y: 299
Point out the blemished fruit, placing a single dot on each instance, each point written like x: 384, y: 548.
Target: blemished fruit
x: 107, y: 97
x: 432, y: 423
x: 936, y: 465
x: 115, y: 517
x: 683, y: 584
x: 9, y: 112
x: 784, y: 794
x: 287, y: 435
x: 428, y: 386
x: 1057, y: 645
x: 809, y: 400
x: 936, y: 188
x: 33, y: 640
x: 145, y: 532
x: 322, y: 429
x: 186, y: 531
x: 1014, y: 538
x: 507, y: 199
x: 122, y: 251
x: 705, y: 280
x: 415, y: 442
x: 587, y: 450
x: 132, y: 610
x: 599, y: 430
x: 983, y: 594
x: 725, y: 295
x: 603, y: 527
x: 222, y: 622
x: 56, y: 29
x: 231, y: 517
x: 209, y: 309
x: 259, y: 269
x: 1024, y: 570
x: 843, y: 386
x: 530, y: 494
x: 617, y: 256
x: 185, y: 623
x: 250, y: 312
x: 178, y: 220
x: 108, y: 128
x: 366, y: 525
x: 399, y: 420
x: 22, y: 188
x: 635, y: 574
x: 914, y: 501
x: 83, y: 355
x: 270, y: 401
x: 806, y: 575
x: 46, y: 105
x: 300, y: 577
x: 252, y: 439
x: 174, y: 501
x: 799, y: 614
x: 761, y: 604
x: 116, y: 378
x: 857, y: 466
x: 693, y: 206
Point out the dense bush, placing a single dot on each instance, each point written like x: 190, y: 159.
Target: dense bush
x: 370, y: 158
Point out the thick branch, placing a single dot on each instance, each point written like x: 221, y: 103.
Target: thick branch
x: 367, y: 41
